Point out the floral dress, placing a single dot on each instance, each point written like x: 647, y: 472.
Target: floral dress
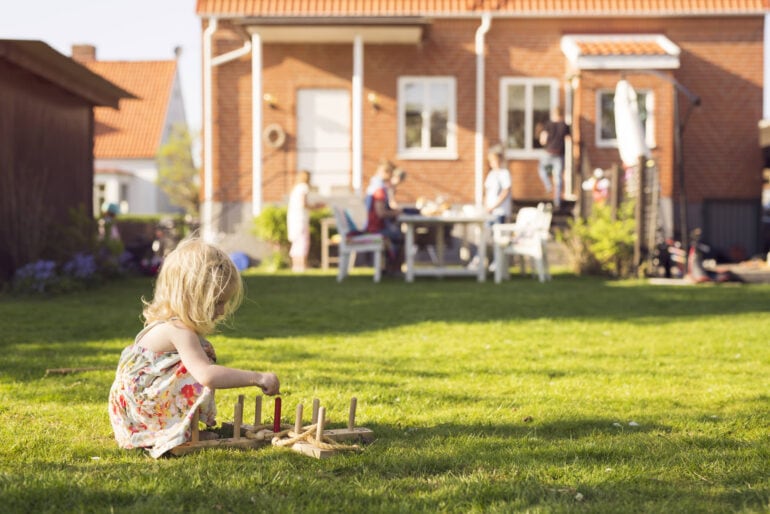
x: 154, y: 397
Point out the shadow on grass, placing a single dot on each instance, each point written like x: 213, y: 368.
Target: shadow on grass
x: 449, y: 467
x: 283, y: 306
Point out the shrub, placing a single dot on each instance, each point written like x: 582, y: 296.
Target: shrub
x: 270, y: 226
x: 602, y: 245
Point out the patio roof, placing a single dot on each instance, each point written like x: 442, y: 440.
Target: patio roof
x: 620, y: 51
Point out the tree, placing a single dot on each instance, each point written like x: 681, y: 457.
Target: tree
x: 177, y: 174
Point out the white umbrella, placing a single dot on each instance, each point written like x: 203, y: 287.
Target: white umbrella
x: 628, y: 125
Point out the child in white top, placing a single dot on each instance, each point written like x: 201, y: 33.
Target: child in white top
x: 298, y: 222
x: 497, y: 186
x: 169, y: 371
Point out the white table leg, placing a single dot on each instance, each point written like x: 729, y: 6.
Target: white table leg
x: 482, y: 271
x: 409, y: 251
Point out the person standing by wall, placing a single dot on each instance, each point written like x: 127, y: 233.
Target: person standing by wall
x: 497, y: 185
x: 298, y: 222
x: 551, y: 166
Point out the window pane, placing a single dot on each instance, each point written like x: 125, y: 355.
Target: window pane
x: 541, y: 112
x: 413, y: 112
x: 608, y: 116
x: 439, y: 116
x: 641, y: 100
x: 516, y: 117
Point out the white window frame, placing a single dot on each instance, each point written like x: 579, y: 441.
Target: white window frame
x: 425, y: 151
x: 649, y: 126
x: 528, y: 152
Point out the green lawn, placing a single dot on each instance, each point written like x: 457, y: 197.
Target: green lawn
x: 579, y: 395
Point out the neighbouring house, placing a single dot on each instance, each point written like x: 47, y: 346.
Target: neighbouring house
x: 334, y: 86
x: 47, y: 104
x: 127, y: 141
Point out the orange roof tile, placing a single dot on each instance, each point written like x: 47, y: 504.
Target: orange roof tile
x: 621, y: 48
x: 134, y: 131
x: 333, y: 8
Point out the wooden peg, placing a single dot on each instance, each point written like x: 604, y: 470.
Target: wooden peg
x: 238, y: 418
x: 316, y: 404
x: 319, y: 431
x: 258, y: 411
x: 298, y: 421
x: 352, y: 415
x: 194, y: 426
x: 277, y: 416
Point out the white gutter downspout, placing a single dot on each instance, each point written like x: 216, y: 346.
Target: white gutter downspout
x: 358, y: 124
x: 486, y: 22
x: 256, y: 124
x: 209, y: 62
x: 766, y: 77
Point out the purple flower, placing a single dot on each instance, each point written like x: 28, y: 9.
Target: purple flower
x: 82, y: 266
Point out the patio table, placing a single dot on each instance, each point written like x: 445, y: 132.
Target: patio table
x: 440, y: 268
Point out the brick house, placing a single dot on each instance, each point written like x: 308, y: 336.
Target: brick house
x: 127, y: 141
x: 333, y: 86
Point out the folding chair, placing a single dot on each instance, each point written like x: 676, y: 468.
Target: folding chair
x: 353, y: 242
x: 526, y: 238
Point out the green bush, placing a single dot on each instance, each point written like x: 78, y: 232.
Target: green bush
x: 602, y: 245
x: 270, y: 227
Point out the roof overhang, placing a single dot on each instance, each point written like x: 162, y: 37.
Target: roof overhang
x: 40, y: 59
x: 406, y: 31
x: 620, y: 52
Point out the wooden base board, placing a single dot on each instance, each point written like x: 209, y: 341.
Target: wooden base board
x: 243, y: 442
x: 347, y: 434
x: 359, y: 434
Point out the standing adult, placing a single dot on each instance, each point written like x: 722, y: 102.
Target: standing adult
x: 551, y: 166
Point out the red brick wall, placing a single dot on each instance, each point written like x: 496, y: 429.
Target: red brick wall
x: 721, y: 61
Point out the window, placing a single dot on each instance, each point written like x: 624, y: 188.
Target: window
x: 525, y: 105
x: 100, y: 196
x: 605, y: 127
x: 426, y: 118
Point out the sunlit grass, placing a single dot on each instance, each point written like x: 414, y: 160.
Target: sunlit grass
x: 576, y: 395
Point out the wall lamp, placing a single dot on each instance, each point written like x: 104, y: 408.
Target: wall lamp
x: 270, y: 100
x: 374, y: 101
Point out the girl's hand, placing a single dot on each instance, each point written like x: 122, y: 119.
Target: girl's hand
x: 269, y: 383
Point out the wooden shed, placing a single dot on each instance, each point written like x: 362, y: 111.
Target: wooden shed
x: 46, y: 145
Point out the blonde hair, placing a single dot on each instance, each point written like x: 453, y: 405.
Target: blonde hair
x: 385, y: 166
x: 193, y: 280
x: 498, y: 151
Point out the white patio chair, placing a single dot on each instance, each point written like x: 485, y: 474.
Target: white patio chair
x: 526, y: 239
x: 352, y: 243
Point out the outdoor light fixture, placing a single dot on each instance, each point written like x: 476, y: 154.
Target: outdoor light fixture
x: 270, y: 100
x: 374, y: 100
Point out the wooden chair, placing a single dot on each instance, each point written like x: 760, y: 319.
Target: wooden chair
x: 526, y: 239
x: 351, y: 243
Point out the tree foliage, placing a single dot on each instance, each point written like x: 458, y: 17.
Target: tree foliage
x: 178, y: 176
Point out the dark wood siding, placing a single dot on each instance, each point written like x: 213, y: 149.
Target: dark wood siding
x: 46, y: 163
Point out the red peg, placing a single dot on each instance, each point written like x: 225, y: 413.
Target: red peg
x: 277, y: 416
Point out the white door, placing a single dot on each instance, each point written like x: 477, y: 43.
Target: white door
x: 323, y: 137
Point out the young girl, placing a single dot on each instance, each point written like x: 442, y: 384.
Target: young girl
x: 298, y: 222
x: 169, y: 371
x: 497, y: 186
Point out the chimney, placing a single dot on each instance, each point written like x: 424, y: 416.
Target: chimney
x: 84, y: 53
